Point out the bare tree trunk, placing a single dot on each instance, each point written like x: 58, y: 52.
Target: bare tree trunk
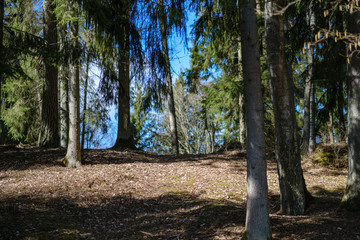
x: 340, y: 110
x: 308, y: 143
x: 242, y: 124
x: 64, y: 90
x: 293, y: 193
x: 73, y: 155
x: 49, y: 131
x: 167, y: 72
x: 351, y: 199
x: 312, y: 134
x: 257, y: 213
x: 85, y: 100
x: 331, y: 128
x: 2, y: 125
x: 124, y: 138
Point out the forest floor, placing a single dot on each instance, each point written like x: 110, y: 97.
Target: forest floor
x: 134, y: 195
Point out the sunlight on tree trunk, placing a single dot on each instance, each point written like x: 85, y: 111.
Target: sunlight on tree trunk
x: 64, y: 90
x: 257, y: 213
x: 73, y: 155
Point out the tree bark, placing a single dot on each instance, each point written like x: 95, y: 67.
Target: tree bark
x: 124, y: 138
x: 351, y: 199
x: 257, y: 213
x: 85, y: 101
x: 293, y: 193
x: 49, y: 131
x: 167, y: 73
x: 2, y: 125
x: 73, y: 155
x: 308, y: 142
x: 64, y: 90
x: 242, y: 123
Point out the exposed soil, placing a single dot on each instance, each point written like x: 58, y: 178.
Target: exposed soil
x: 134, y: 195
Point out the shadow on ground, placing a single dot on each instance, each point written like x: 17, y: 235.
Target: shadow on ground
x: 172, y: 216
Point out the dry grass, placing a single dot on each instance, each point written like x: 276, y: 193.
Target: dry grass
x: 133, y: 195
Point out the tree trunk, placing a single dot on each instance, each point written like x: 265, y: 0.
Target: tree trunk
x: 124, y: 138
x: 64, y: 90
x: 331, y: 128
x: 351, y: 199
x: 167, y: 73
x: 257, y: 213
x: 308, y: 129
x: 85, y: 100
x: 340, y: 110
x: 293, y: 193
x: 2, y: 125
x: 73, y: 155
x: 242, y: 124
x: 312, y: 134
x: 49, y: 131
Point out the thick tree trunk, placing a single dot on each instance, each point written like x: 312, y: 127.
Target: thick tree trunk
x: 49, y: 131
x: 167, y: 73
x: 73, y: 155
x: 351, y: 199
x: 64, y: 91
x: 85, y: 101
x: 257, y: 213
x: 293, y: 193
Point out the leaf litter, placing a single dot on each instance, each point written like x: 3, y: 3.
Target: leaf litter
x: 135, y: 195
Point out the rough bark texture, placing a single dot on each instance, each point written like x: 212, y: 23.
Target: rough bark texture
x: 257, y: 213
x: 49, y: 131
x: 85, y: 101
x: 312, y: 134
x: 73, y: 154
x: 167, y: 73
x: 242, y: 123
x: 124, y: 139
x: 351, y: 199
x: 293, y: 192
x: 64, y: 91
x: 308, y: 129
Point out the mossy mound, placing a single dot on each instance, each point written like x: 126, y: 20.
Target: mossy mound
x: 333, y: 155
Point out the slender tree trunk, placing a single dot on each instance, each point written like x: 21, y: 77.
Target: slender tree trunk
x: 312, y: 134
x: 293, y: 193
x: 308, y: 143
x: 49, y: 132
x: 242, y: 124
x: 257, y: 213
x: 351, y: 199
x: 167, y: 72
x: 85, y: 100
x: 64, y: 90
x: 73, y: 155
x: 340, y: 110
x: 2, y: 125
x: 331, y: 128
